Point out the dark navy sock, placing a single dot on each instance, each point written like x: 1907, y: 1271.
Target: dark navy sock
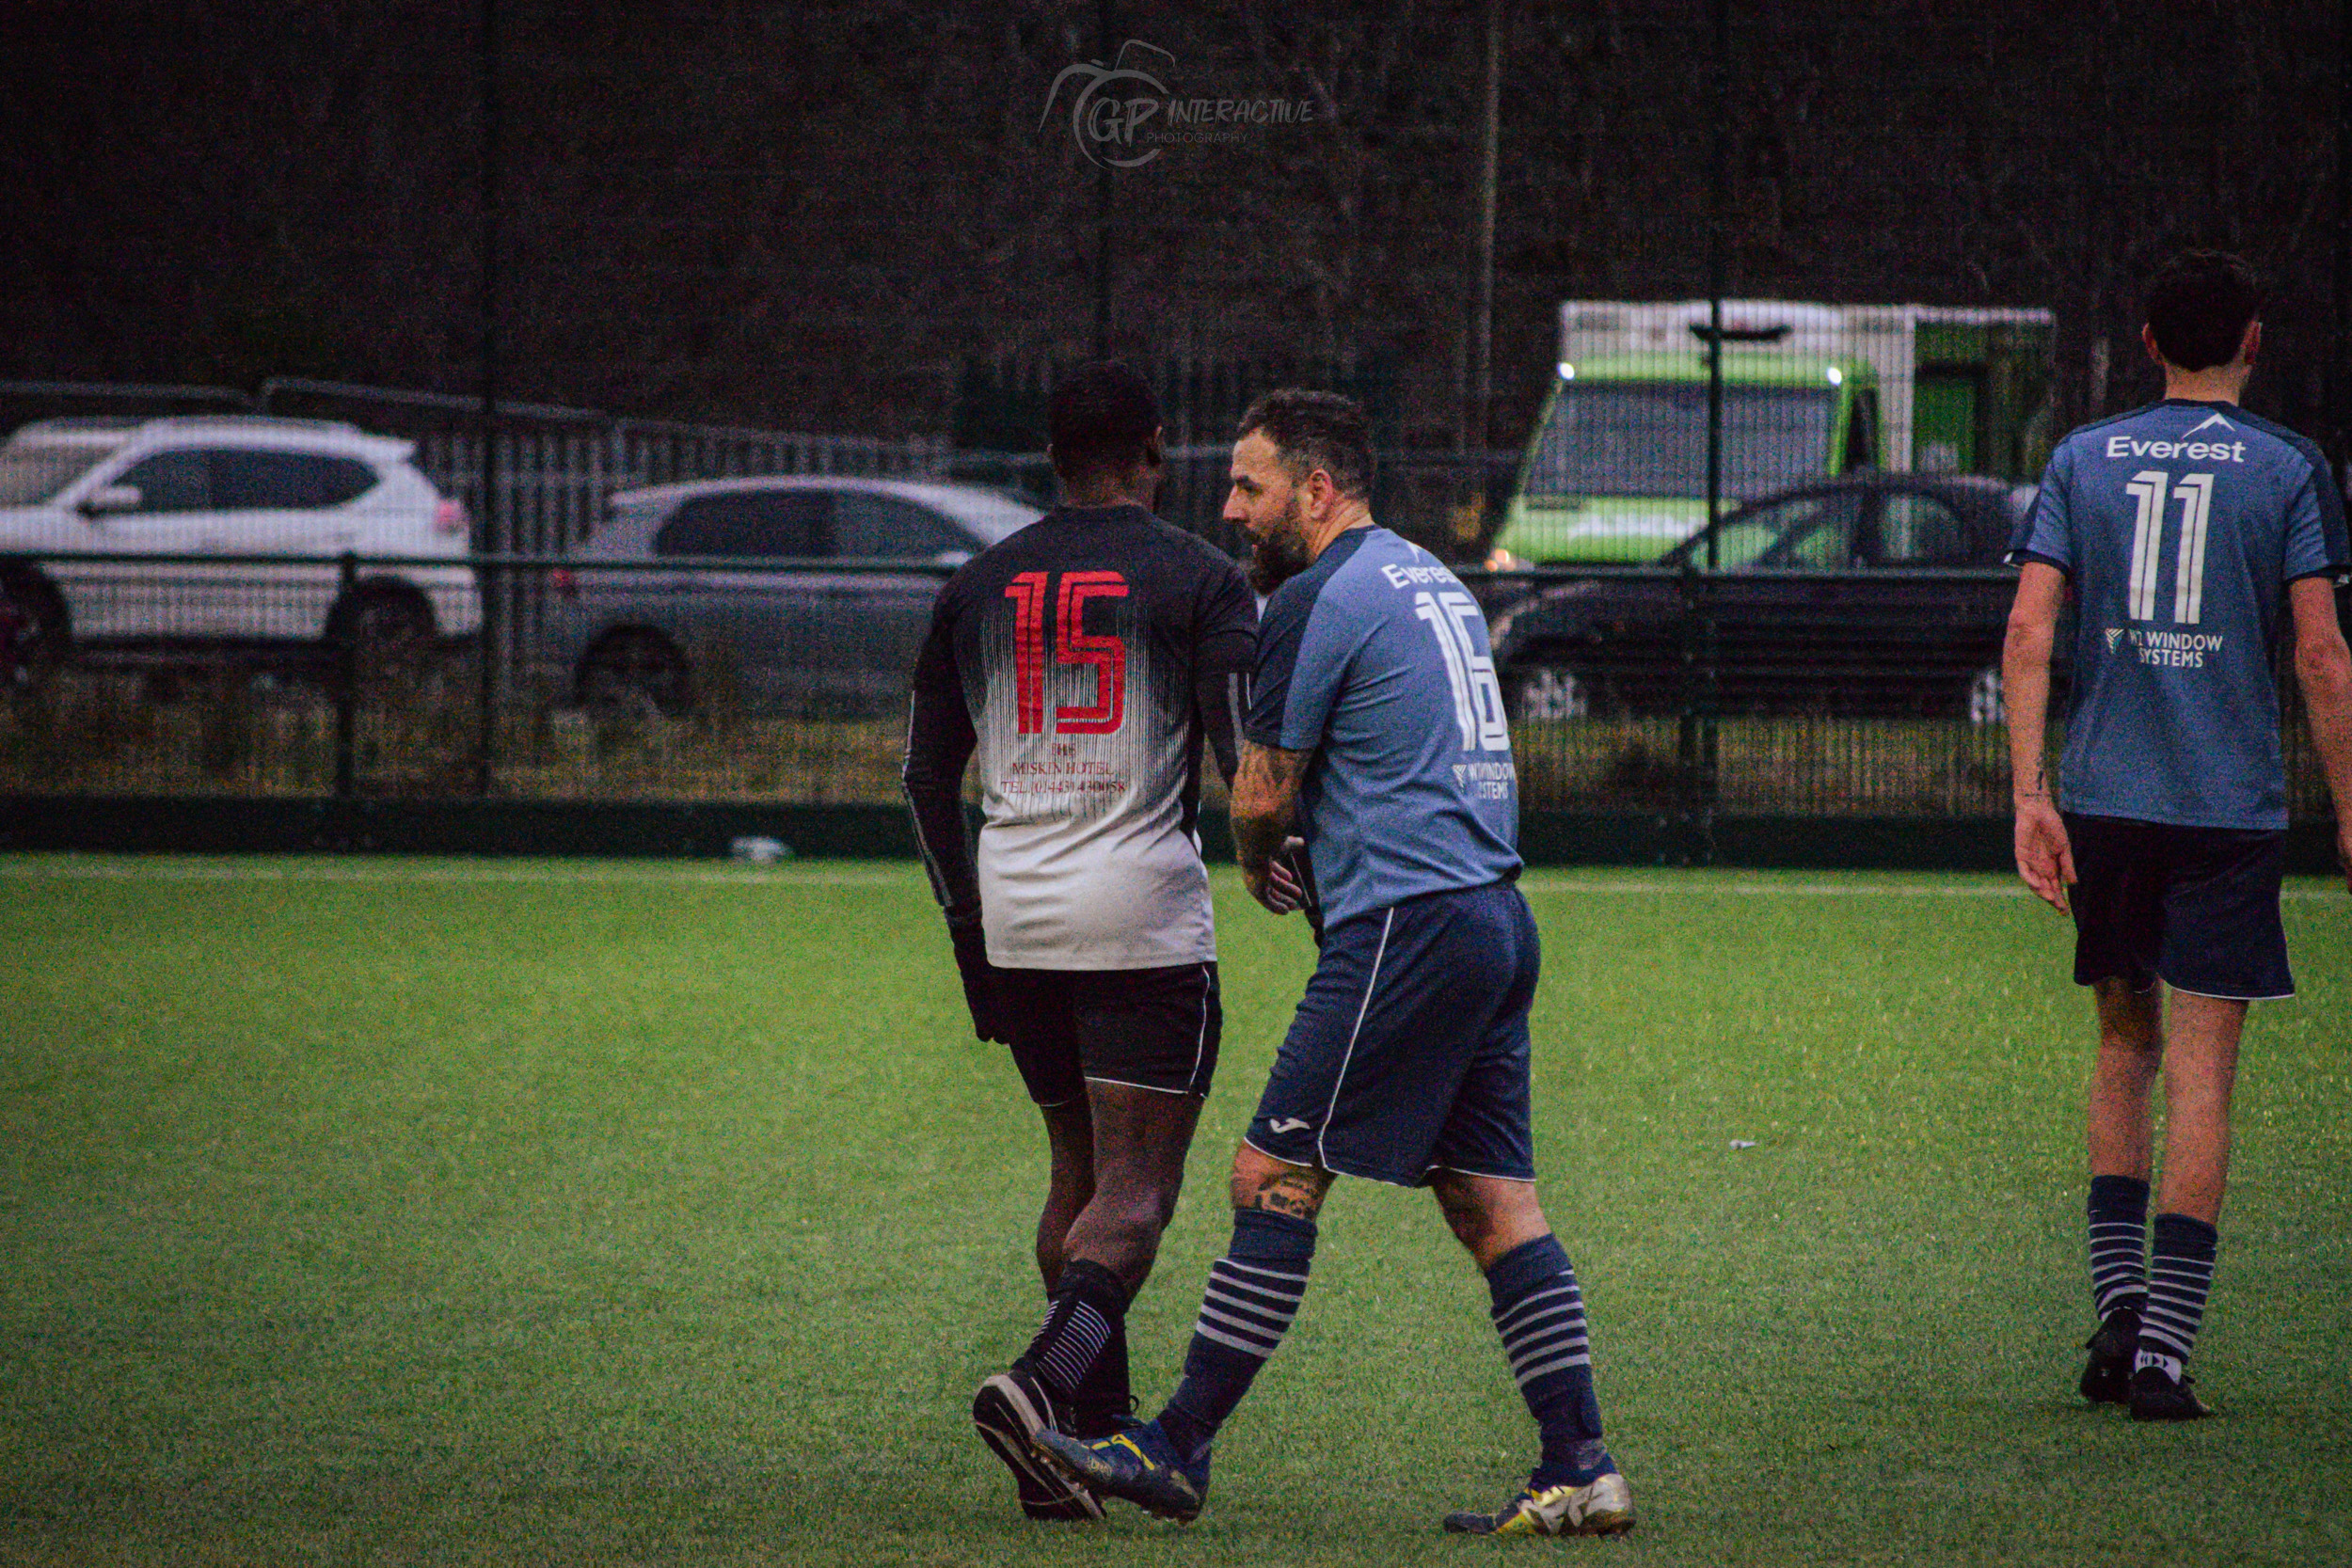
x: 1255, y: 1291
x: 1103, y: 1399
x: 1086, y: 1302
x: 2180, y: 1272
x: 2118, y: 1244
x: 1539, y: 1312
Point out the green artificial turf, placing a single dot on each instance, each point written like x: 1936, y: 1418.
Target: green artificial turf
x: 439, y: 1211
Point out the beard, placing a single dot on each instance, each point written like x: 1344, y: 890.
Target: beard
x: 1279, y: 553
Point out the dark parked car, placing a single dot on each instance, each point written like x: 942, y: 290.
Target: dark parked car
x: 1840, y: 598
x: 737, y: 589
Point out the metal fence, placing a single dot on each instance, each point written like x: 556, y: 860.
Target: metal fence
x: 549, y: 471
x: 1679, y: 693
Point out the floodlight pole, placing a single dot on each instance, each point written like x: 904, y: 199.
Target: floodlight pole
x: 2339, y: 384
x: 1719, y: 158
x: 1483, y: 312
x: 485, y: 635
x: 1102, y: 206
x: 1701, y: 738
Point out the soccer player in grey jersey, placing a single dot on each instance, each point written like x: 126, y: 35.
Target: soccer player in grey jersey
x: 1084, y: 662
x: 1376, y: 717
x: 2188, y: 533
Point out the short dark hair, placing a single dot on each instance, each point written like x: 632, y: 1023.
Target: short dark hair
x: 1315, y: 430
x: 2198, y: 305
x: 1101, y: 420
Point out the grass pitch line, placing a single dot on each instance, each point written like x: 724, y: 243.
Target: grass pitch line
x: 1772, y: 890
x: 134, y: 868
x: 1703, y: 886
x: 529, y: 874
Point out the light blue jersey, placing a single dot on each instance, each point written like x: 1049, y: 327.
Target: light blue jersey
x: 2179, y: 526
x: 1375, y: 659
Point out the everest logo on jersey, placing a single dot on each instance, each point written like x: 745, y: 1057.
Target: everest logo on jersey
x: 2206, y: 451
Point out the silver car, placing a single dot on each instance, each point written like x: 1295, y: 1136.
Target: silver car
x: 804, y: 594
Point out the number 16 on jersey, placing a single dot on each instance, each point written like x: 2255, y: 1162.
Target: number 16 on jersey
x: 1477, y: 695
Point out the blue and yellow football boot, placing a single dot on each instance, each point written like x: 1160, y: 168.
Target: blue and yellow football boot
x: 1140, y: 1464
x: 1601, y: 1506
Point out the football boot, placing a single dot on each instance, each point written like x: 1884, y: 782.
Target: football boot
x: 1140, y: 1464
x: 1009, y: 1411
x: 2156, y: 1397
x: 1601, y: 1506
x: 2108, y: 1375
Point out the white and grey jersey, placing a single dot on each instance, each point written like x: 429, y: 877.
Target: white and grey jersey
x: 1080, y: 665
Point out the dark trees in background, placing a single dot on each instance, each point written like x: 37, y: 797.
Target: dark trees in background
x: 808, y: 215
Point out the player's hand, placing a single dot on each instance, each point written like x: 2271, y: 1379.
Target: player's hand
x: 2045, y: 858
x: 1276, y: 884
x: 979, y: 985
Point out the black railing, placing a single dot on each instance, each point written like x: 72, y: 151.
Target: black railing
x: 1680, y: 694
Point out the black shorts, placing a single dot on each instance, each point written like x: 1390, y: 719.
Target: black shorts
x: 2197, y: 908
x: 1409, y: 1053
x: 1151, y: 1028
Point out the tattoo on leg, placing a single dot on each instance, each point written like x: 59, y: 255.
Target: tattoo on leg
x: 1296, y: 1192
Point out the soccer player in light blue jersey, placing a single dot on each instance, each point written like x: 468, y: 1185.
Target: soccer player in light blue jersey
x: 2191, y: 535
x: 1375, y: 726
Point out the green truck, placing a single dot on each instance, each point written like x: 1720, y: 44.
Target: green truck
x: 1616, y: 469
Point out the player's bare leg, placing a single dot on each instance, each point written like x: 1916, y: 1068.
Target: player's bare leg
x: 1069, y: 1182
x: 1118, y: 1162
x: 1140, y: 1138
x: 2122, y: 1075
x: 2201, y: 1045
x: 1010, y: 1405
x: 1254, y: 1292
x: 1487, y: 1215
x: 1539, y: 1312
x: 1262, y: 1182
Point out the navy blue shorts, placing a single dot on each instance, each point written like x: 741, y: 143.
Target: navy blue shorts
x: 1151, y: 1028
x: 2197, y: 908
x: 1410, y: 1051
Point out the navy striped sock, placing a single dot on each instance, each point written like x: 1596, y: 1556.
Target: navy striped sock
x: 1255, y: 1291
x: 2118, y: 1244
x: 2180, y: 1272
x: 1087, y: 1303
x: 1539, y: 1311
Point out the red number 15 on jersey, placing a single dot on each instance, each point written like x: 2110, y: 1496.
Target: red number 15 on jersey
x: 1072, y: 645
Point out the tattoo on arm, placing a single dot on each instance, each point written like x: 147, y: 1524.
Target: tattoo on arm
x: 1265, y: 789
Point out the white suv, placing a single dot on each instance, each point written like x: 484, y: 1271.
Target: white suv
x: 75, y: 491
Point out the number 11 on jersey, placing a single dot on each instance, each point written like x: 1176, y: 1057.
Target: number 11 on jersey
x: 2147, y: 489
